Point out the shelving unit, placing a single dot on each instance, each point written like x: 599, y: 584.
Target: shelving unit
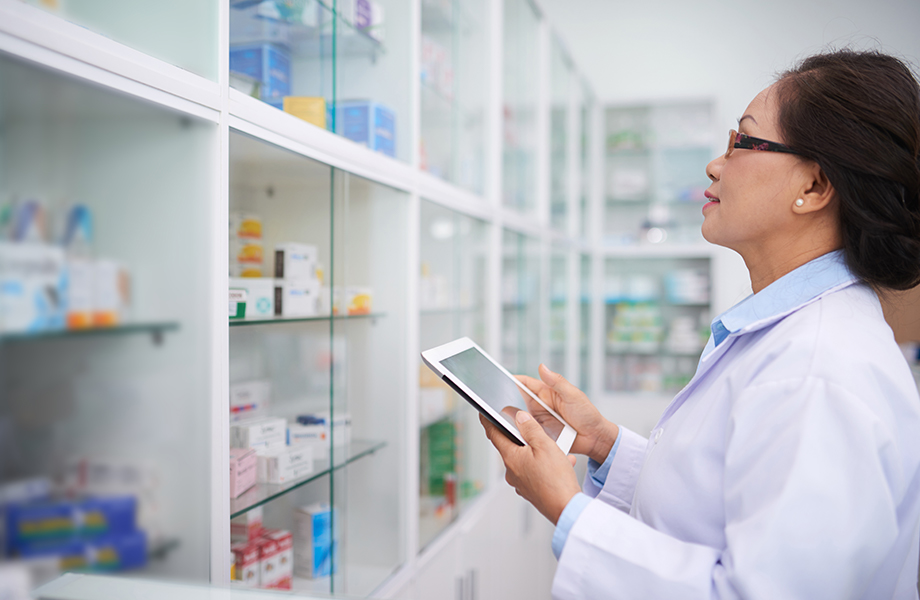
x: 482, y: 218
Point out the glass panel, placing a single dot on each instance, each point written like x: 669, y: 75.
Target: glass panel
x: 372, y: 92
x: 521, y: 325
x: 104, y: 337
x: 452, y: 298
x: 561, y: 81
x: 521, y: 91
x: 586, y: 107
x: 453, y: 60
x: 656, y: 173
x: 558, y: 311
x: 282, y: 362
x: 369, y: 387
x: 180, y: 32
x: 585, y: 325
x: 657, y: 316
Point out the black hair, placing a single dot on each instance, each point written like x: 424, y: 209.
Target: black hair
x: 857, y: 114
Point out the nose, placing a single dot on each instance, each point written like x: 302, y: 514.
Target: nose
x: 714, y: 168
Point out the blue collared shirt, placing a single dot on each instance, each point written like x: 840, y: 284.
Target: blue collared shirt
x: 783, y: 295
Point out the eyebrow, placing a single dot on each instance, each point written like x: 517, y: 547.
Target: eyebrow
x: 747, y: 117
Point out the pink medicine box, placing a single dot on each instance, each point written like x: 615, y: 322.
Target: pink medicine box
x: 243, y: 470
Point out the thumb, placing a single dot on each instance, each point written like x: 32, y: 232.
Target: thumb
x: 530, y: 430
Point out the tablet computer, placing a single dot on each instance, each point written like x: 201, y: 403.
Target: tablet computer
x: 489, y: 387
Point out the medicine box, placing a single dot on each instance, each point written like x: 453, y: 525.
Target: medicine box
x: 245, y: 226
x: 247, y: 527
x: 281, y: 576
x: 31, y: 287
x: 308, y: 108
x: 248, y: 562
x: 117, y: 552
x: 260, y: 296
x: 285, y: 464
x: 248, y: 399
x: 261, y: 434
x: 297, y: 298
x: 110, y: 292
x: 314, y: 436
x: 32, y: 527
x: 269, y: 64
x: 295, y: 262
x: 246, y: 257
x: 237, y: 301
x: 243, y: 470
x: 368, y: 123
x: 315, y: 541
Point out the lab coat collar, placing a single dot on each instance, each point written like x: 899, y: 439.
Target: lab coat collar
x: 787, y: 294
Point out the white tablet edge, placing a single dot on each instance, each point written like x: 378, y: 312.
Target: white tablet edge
x: 435, y: 355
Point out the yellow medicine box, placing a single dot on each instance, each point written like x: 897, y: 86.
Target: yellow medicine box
x: 309, y: 108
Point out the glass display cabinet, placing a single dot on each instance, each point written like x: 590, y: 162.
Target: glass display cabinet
x: 339, y: 65
x: 104, y: 329
x: 656, y: 157
x: 453, y: 460
x: 454, y: 58
x: 562, y: 80
x: 179, y: 32
x: 521, y: 91
x: 657, y: 314
x: 586, y: 107
x: 559, y: 299
x: 316, y: 353
x: 522, y: 301
x: 584, y: 323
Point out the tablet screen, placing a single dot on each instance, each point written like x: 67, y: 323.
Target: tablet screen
x: 489, y: 383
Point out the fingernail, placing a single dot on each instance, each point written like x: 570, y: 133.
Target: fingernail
x: 522, y: 416
x: 546, y: 369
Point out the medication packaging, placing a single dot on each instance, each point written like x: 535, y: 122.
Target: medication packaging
x: 281, y: 573
x: 31, y: 287
x: 259, y: 295
x: 308, y: 108
x: 261, y: 434
x: 297, y: 298
x: 42, y: 526
x: 269, y: 64
x: 295, y: 262
x: 247, y: 562
x: 313, y: 435
x: 315, y: 541
x: 243, y: 470
x: 369, y: 123
x: 285, y: 464
x: 249, y: 399
x: 247, y: 527
x: 352, y: 300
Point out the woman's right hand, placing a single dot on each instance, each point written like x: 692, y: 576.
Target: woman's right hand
x: 596, y: 434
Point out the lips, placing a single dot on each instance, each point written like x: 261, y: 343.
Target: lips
x: 710, y: 197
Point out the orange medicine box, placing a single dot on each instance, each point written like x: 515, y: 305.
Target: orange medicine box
x: 309, y: 108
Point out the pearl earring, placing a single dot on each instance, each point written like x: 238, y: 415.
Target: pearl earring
x: 800, y: 202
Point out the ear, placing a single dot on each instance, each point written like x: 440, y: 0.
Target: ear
x: 817, y: 191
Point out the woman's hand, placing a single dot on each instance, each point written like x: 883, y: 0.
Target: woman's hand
x: 596, y: 434
x: 540, y: 472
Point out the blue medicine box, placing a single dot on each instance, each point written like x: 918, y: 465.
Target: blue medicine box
x: 108, y: 553
x: 368, y: 123
x: 269, y: 64
x: 35, y: 527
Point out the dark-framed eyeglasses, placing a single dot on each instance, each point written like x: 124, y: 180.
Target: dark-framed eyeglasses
x: 747, y: 142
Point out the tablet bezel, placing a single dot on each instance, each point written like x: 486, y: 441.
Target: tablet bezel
x: 433, y: 358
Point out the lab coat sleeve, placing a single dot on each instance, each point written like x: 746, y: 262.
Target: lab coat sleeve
x: 811, y: 486
x: 623, y: 471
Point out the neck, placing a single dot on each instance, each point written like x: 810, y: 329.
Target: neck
x: 768, y: 261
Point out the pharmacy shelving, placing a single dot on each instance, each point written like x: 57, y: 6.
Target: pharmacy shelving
x: 142, y: 117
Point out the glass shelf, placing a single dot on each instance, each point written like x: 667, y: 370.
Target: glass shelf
x: 308, y: 36
x: 283, y: 320
x: 262, y: 493
x: 154, y: 329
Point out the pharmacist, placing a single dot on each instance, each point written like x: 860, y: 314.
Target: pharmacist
x: 788, y: 467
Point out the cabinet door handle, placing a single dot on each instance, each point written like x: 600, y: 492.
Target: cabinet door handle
x: 472, y: 585
x: 458, y: 588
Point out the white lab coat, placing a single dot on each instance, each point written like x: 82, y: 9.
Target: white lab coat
x: 787, y: 468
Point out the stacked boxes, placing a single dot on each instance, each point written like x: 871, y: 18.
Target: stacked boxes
x: 269, y: 64
x: 297, y: 287
x: 243, y: 470
x: 246, y: 251
x: 260, y: 434
x: 262, y: 557
x: 369, y: 123
x: 283, y: 465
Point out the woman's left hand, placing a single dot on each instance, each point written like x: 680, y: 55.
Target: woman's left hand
x: 540, y: 472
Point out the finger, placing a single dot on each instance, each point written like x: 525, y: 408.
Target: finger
x: 557, y: 382
x: 510, y: 412
x: 530, y: 430
x: 534, y: 385
x: 572, y: 459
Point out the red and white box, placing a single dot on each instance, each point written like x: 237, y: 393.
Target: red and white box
x: 282, y: 561
x: 247, y: 559
x: 243, y: 470
x: 247, y: 527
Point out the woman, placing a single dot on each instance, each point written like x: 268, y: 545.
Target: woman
x: 789, y: 467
